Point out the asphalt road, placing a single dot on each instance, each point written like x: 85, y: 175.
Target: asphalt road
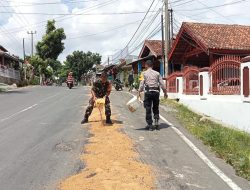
x: 176, y: 165
x: 40, y: 136
x: 41, y: 139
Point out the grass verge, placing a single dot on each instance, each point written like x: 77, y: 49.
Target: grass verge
x: 231, y: 145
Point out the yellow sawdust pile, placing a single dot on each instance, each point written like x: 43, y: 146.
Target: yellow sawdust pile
x: 111, y: 162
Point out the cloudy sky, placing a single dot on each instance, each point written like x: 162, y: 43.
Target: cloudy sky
x: 102, y: 25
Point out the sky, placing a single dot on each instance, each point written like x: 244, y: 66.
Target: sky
x: 88, y: 27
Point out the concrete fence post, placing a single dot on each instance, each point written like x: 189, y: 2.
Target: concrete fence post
x: 179, y: 85
x: 204, y: 83
x: 245, y: 79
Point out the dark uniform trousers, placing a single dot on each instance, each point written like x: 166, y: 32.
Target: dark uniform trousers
x: 151, y: 98
x: 91, y: 106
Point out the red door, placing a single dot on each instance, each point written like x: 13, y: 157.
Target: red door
x: 201, y: 85
x: 246, y: 82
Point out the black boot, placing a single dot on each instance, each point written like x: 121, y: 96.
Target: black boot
x: 85, y: 120
x: 157, y: 127
x: 108, y: 120
x: 150, y: 127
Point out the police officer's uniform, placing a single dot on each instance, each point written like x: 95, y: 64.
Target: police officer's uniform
x: 151, y: 86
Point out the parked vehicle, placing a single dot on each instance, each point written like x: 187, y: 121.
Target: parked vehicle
x: 118, y: 84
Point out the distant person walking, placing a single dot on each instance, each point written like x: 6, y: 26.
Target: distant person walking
x: 151, y: 83
x: 131, y: 82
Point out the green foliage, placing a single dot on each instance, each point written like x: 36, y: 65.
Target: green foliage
x: 35, y: 81
x: 23, y: 83
x: 136, y: 81
x: 80, y: 62
x: 39, y: 64
x: 51, y: 44
x: 229, y: 144
x: 45, y: 62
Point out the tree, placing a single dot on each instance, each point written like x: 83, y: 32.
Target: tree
x: 48, y: 49
x: 39, y: 66
x: 51, y: 45
x: 80, y: 62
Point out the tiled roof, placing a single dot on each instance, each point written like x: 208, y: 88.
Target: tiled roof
x: 155, y: 46
x: 220, y: 36
x: 3, y: 49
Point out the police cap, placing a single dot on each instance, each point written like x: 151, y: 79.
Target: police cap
x: 149, y: 63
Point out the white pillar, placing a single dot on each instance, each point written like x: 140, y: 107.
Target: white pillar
x: 180, y: 91
x: 206, y: 84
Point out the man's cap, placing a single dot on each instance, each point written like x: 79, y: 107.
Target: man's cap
x: 149, y: 63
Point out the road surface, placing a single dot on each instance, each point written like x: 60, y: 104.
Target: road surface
x: 41, y: 139
x: 40, y: 136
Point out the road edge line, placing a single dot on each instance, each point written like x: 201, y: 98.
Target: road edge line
x: 201, y: 155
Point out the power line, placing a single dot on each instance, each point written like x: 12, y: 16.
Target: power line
x: 212, y: 7
x: 47, y: 3
x: 11, y: 37
x: 151, y: 35
x: 138, y: 27
x: 147, y: 26
x: 62, y: 18
x: 20, y: 17
x: 105, y: 31
x: 182, y: 3
x: 75, y: 14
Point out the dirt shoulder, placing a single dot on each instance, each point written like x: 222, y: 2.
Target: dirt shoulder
x: 111, y: 162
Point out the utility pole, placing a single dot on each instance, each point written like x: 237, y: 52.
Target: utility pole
x: 25, y: 69
x: 171, y: 34
x: 172, y: 25
x: 108, y: 60
x: 32, y: 38
x: 24, y: 56
x: 162, y: 44
x: 166, y: 36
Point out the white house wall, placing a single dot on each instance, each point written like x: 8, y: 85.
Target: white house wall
x: 232, y: 112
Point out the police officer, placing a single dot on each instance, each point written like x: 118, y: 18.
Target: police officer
x: 151, y: 83
x: 101, y: 88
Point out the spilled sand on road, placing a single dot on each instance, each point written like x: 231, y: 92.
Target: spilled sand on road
x: 111, y: 162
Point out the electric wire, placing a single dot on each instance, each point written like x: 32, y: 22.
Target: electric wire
x: 137, y: 28
x: 63, y: 18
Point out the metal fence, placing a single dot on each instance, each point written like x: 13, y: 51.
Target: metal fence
x: 173, y: 83
x: 191, y: 81
x: 10, y: 73
x: 225, y: 76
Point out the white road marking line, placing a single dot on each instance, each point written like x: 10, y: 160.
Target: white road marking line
x: 17, y: 113
x: 26, y: 109
x: 195, y: 185
x: 44, y: 100
x: 141, y: 138
x: 202, y: 156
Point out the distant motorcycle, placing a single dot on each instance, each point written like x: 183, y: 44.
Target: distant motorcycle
x: 118, y: 84
x: 70, y: 84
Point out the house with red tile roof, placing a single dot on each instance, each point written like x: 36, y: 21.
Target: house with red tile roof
x: 200, y: 44
x: 151, y: 50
